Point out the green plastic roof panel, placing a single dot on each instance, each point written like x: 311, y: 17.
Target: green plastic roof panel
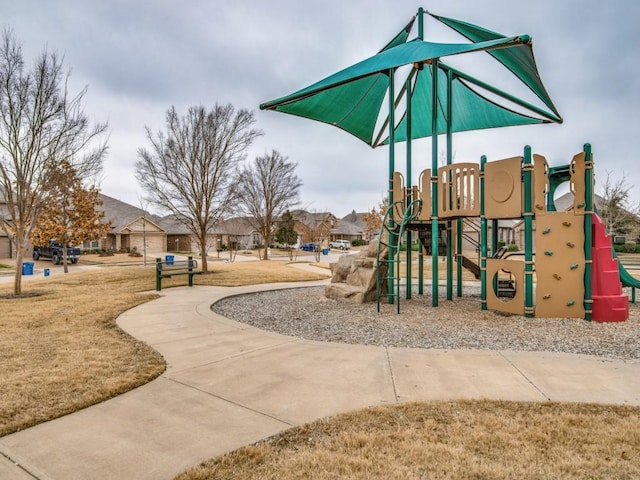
x: 519, y: 60
x: 471, y: 110
x: 353, y: 98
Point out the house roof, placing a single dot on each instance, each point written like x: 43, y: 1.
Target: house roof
x: 565, y: 202
x: 345, y: 227
x: 122, y: 214
x: 235, y: 226
x: 357, y: 218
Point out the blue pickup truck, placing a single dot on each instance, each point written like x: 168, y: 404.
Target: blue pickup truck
x: 54, y: 252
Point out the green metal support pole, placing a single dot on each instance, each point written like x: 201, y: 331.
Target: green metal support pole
x: 434, y: 183
x: 392, y: 167
x: 409, y: 183
x: 459, y: 253
x: 588, y: 240
x: 420, y: 268
x: 421, y: 249
x: 527, y: 168
x: 158, y: 270
x: 483, y: 238
x: 449, y: 162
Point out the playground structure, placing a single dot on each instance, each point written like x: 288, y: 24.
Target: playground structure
x: 569, y: 269
x: 572, y: 273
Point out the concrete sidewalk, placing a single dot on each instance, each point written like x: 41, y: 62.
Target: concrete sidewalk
x: 228, y: 385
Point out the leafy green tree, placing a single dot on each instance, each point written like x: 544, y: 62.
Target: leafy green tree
x: 286, y: 232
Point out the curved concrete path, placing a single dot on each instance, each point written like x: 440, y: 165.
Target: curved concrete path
x: 228, y: 384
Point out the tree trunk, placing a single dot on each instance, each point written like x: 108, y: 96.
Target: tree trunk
x: 17, y: 281
x: 267, y: 241
x: 203, y: 251
x: 64, y: 258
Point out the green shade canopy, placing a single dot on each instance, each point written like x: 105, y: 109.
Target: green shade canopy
x: 351, y: 99
x: 471, y: 110
x: 519, y: 60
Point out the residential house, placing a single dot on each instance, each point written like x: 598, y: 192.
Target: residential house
x: 238, y: 233
x: 131, y: 227
x: 314, y: 227
x: 352, y: 227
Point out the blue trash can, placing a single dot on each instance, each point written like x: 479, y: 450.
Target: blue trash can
x: 168, y: 259
x: 27, y: 268
x: 46, y: 272
x: 325, y: 251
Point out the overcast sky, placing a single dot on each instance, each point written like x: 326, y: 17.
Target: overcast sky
x: 138, y: 58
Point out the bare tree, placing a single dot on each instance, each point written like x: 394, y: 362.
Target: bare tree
x: 618, y: 213
x: 266, y: 189
x: 41, y: 125
x: 189, y: 169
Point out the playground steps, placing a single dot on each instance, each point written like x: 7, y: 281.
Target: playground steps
x: 472, y: 266
x: 609, y: 303
x: 425, y: 236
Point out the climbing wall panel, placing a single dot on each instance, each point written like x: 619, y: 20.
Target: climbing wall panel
x: 577, y: 184
x: 540, y: 184
x: 559, y: 265
x: 503, y: 188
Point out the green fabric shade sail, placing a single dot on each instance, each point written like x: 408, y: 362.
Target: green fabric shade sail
x: 352, y: 99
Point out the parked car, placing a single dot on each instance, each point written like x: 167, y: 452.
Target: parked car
x: 309, y: 247
x: 54, y: 251
x: 341, y: 244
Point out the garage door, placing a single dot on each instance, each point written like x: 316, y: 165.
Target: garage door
x: 5, y: 247
x: 155, y: 243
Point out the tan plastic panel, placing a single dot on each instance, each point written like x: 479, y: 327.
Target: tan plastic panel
x: 399, y: 197
x: 577, y: 183
x: 425, y: 194
x: 503, y: 188
x: 497, y: 266
x: 540, y: 184
x: 459, y: 190
x: 560, y: 265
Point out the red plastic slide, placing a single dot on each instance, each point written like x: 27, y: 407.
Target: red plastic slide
x: 609, y: 303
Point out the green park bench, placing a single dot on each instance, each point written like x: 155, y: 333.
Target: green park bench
x: 169, y: 268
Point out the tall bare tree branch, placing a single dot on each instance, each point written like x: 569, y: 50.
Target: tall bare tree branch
x: 41, y: 125
x: 189, y: 169
x: 266, y: 189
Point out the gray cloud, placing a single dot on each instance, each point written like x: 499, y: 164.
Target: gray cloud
x: 139, y: 58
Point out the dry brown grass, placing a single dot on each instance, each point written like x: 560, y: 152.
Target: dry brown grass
x: 62, y: 351
x: 447, y: 440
